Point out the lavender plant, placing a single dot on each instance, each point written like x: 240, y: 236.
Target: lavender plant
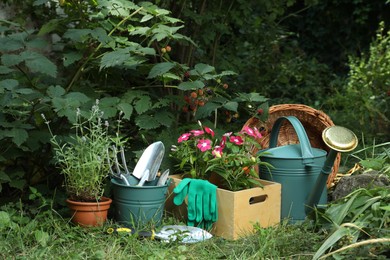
x: 83, y: 158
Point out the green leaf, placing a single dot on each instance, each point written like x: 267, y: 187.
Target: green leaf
x: 139, y: 30
x: 146, y: 51
x: 160, y: 68
x: 55, y: 91
x: 146, y: 122
x: 8, y: 44
x: 79, y: 97
x: 164, y: 117
x: 191, y: 85
x: 133, y: 61
x: 143, y: 104
x: 132, y: 95
x: 19, y: 184
x: 5, y: 70
x: 167, y: 30
x: 77, y: 35
x: 168, y: 77
x: 71, y: 57
x: 67, y: 105
x: 5, y: 220
x: 118, y: 7
x: 11, y: 59
x: 386, y: 208
x: 25, y: 91
x: 109, y: 106
x: 127, y: 110
x: 202, y: 69
x: 4, y: 177
x: 41, y: 237
x: 158, y: 37
x: 49, y: 26
x: 114, y: 58
x: 19, y: 136
x: 162, y: 31
x: 36, y: 62
x: 373, y: 163
x: 9, y: 84
x: 332, y: 240
x: 38, y: 43
x: 206, y: 110
x: 251, y: 97
x: 146, y: 18
x: 341, y: 213
x: 231, y: 105
x: 227, y: 73
x: 101, y: 35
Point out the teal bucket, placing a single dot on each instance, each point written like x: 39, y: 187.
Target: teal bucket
x: 138, y: 206
x: 296, y: 167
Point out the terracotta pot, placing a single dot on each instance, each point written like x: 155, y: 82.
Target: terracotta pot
x: 89, y: 213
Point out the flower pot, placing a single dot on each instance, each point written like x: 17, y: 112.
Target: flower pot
x: 138, y: 206
x: 238, y: 211
x: 89, y: 213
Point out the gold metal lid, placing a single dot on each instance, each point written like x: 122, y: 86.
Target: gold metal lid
x: 340, y: 138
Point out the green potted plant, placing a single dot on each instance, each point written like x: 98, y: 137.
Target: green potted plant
x: 229, y: 163
x: 83, y: 160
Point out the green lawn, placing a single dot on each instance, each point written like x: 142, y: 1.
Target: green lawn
x: 49, y: 236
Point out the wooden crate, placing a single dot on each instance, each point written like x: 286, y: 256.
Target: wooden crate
x: 237, y: 211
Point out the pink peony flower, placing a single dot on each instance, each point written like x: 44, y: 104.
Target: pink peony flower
x: 204, y: 145
x: 237, y: 140
x: 183, y: 137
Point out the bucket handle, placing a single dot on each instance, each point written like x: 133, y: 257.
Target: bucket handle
x: 307, y: 153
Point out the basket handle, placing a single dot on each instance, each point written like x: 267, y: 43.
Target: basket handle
x: 307, y: 152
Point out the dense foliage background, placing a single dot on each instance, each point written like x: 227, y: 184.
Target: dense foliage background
x: 166, y: 64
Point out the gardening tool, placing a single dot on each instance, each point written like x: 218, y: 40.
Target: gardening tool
x: 163, y: 178
x: 185, y: 234
x: 144, y: 177
x: 150, y: 160
x: 338, y: 139
x: 301, y: 169
x: 118, y: 174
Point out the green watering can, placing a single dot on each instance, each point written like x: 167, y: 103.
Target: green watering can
x: 301, y: 169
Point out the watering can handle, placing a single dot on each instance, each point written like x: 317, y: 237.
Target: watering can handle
x: 307, y: 153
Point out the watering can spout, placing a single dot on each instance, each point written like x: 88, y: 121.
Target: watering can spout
x: 338, y: 139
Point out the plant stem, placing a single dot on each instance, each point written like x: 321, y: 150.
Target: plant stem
x: 82, y: 67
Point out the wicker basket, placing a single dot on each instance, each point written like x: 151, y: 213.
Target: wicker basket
x: 314, y: 121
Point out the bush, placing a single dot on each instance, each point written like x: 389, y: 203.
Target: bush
x: 117, y: 52
x: 364, y: 103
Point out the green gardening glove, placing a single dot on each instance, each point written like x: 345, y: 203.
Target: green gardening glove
x: 181, y: 191
x: 202, y: 201
x: 203, y: 195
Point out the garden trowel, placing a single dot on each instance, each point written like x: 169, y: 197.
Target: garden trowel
x: 150, y: 161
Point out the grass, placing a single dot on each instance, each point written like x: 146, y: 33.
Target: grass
x: 355, y: 227
x: 34, y: 229
x: 27, y: 234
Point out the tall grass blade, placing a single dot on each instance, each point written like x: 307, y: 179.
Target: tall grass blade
x: 332, y: 239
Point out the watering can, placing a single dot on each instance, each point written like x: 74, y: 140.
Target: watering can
x: 301, y: 169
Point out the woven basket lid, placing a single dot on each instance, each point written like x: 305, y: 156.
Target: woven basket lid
x: 314, y: 121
